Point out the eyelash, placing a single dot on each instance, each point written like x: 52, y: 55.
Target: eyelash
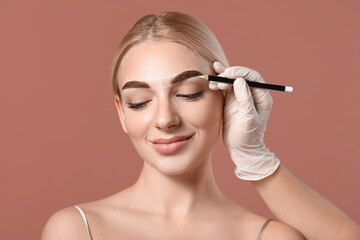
x: 139, y: 106
x: 191, y: 96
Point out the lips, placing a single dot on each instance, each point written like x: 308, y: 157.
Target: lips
x: 170, y: 140
x: 170, y: 145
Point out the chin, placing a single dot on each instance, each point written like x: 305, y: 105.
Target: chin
x: 175, y: 165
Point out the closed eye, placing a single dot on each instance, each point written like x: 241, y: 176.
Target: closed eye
x: 138, y: 106
x: 191, y: 96
x: 141, y: 105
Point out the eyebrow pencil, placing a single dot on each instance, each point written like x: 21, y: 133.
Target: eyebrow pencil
x: 250, y: 83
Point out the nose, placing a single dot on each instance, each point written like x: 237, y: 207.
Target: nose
x: 167, y: 116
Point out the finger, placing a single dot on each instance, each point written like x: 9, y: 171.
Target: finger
x: 243, y: 72
x: 243, y: 96
x: 223, y: 86
x: 263, y: 103
x: 219, y: 85
x: 219, y: 67
x: 213, y: 85
x: 261, y: 97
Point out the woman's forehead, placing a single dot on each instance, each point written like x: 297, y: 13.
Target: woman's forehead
x: 157, y: 61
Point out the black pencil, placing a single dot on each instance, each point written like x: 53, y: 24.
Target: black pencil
x: 250, y: 83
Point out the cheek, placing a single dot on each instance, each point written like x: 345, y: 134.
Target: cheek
x: 207, y: 113
x: 137, y: 123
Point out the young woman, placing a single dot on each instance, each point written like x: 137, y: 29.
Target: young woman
x: 174, y: 117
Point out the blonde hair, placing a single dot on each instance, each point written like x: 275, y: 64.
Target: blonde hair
x: 171, y: 26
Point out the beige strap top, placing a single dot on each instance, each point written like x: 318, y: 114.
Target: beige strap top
x: 263, y: 229
x: 89, y: 233
x: 85, y: 220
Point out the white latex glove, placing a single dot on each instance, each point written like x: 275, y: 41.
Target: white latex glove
x: 246, y: 112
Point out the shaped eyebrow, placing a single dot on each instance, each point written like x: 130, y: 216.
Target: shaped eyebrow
x: 135, y: 84
x: 178, y: 78
x: 185, y: 75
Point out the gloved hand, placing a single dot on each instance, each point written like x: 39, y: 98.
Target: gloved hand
x: 246, y: 112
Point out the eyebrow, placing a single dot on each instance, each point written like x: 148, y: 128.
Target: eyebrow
x: 178, y: 78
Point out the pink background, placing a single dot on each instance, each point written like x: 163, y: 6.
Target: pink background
x: 60, y: 137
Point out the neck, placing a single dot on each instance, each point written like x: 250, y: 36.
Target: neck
x: 176, y: 196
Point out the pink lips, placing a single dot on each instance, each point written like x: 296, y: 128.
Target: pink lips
x: 171, y: 145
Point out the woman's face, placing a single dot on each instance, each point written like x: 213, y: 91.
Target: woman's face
x: 171, y: 116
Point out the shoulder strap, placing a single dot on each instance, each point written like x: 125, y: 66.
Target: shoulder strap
x: 85, y: 220
x: 262, y: 229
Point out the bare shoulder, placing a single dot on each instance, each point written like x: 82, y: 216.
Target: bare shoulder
x: 249, y: 224
x: 64, y: 224
x: 279, y: 231
x: 68, y: 224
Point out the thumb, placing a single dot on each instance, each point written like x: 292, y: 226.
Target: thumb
x: 243, y: 96
x: 219, y: 67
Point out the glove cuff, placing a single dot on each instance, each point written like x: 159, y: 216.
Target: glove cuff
x: 262, y: 167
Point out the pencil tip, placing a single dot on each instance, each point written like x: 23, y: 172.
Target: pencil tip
x: 204, y: 77
x: 288, y: 89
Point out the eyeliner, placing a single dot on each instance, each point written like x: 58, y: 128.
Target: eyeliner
x: 250, y: 83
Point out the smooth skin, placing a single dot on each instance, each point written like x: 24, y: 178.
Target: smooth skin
x: 175, y: 196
